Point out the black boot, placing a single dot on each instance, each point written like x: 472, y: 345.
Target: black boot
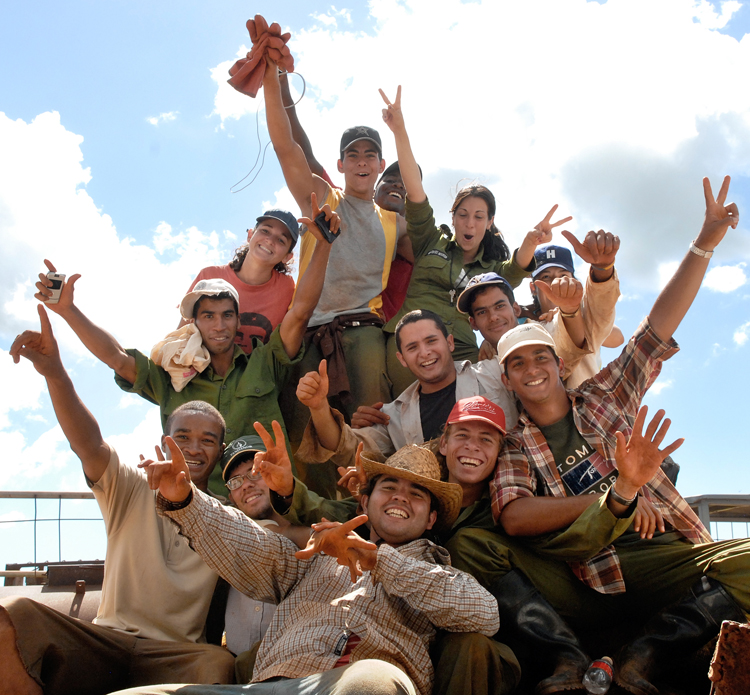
x: 526, y: 616
x: 683, y: 627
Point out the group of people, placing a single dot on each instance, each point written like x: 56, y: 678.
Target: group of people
x: 394, y: 508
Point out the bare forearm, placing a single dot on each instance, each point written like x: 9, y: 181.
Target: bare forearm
x: 326, y: 427
x: 532, y: 516
x: 676, y: 298
x: 78, y: 425
x: 101, y: 344
x: 407, y: 164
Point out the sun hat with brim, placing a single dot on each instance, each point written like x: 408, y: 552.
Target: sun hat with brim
x: 238, y: 451
x: 477, y: 408
x: 208, y: 288
x: 521, y: 336
x: 477, y: 282
x: 419, y: 465
x: 286, y: 218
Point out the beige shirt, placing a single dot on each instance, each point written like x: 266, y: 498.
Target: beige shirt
x: 405, y: 425
x: 155, y: 585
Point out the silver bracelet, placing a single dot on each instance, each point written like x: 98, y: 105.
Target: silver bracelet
x: 700, y: 252
x: 619, y: 498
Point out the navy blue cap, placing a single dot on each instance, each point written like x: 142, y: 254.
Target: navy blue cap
x: 555, y: 256
x: 484, y: 280
x: 286, y: 218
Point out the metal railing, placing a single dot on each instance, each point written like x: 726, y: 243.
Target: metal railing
x: 40, y: 495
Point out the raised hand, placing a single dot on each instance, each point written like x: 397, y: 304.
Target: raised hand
x: 639, y: 457
x: 353, y: 478
x: 486, y: 351
x: 312, y: 389
x: 273, y: 463
x: 333, y: 218
x: 340, y: 541
x: 565, y: 292
x: 392, y: 115
x: 66, y: 293
x: 543, y: 230
x: 171, y: 478
x: 40, y: 348
x: 719, y: 217
x: 598, y: 248
x: 368, y: 416
x: 647, y: 519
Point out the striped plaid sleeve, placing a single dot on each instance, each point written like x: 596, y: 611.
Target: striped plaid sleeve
x: 629, y: 376
x: 259, y: 564
x: 451, y: 599
x: 512, y: 478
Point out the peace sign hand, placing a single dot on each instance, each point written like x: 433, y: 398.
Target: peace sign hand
x: 273, y: 463
x: 171, y: 478
x: 333, y: 218
x: 543, y: 230
x: 719, y: 217
x: 393, y: 116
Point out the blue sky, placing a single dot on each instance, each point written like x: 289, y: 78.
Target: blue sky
x: 120, y: 141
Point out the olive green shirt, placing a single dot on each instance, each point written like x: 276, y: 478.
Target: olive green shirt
x: 249, y: 391
x: 437, y: 280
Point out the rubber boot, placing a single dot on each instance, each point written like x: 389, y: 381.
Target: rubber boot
x: 682, y: 628
x: 526, y: 616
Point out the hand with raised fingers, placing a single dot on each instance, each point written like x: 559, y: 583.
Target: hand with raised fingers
x: 354, y: 478
x: 340, y: 541
x: 172, y: 477
x: 542, y: 233
x: 332, y: 217
x: 719, y: 217
x: 40, y: 348
x: 599, y: 249
x: 44, y: 292
x: 648, y: 519
x: 392, y: 114
x: 564, y: 292
x: 273, y: 463
x: 312, y: 389
x: 369, y: 416
x: 638, y: 459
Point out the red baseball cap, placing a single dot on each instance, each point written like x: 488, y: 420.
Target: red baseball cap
x: 478, y: 408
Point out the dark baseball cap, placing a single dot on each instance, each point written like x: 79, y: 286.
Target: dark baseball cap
x: 286, y: 218
x: 238, y: 451
x: 357, y: 133
x: 555, y: 256
x: 484, y: 280
x: 395, y: 169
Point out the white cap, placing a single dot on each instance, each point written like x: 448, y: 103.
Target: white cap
x: 210, y: 287
x: 531, y: 333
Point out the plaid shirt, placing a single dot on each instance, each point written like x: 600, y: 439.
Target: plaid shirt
x: 605, y: 404
x: 394, y: 608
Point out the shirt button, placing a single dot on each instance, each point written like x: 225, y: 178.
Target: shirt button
x: 177, y: 544
x: 257, y: 608
x: 223, y: 386
x: 257, y: 390
x: 229, y: 429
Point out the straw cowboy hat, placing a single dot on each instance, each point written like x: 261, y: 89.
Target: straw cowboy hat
x: 419, y: 465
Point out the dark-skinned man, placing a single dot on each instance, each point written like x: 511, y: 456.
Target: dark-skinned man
x: 157, y: 590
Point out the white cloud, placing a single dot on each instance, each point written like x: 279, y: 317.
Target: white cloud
x: 163, y: 117
x: 706, y: 14
x: 283, y: 200
x: 42, y: 161
x: 666, y: 271
x: 621, y: 144
x: 726, y: 278
x: 659, y: 386
x: 228, y: 102
x: 21, y: 380
x: 742, y: 334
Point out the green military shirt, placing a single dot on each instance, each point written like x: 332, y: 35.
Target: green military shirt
x: 437, y: 279
x: 249, y: 391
